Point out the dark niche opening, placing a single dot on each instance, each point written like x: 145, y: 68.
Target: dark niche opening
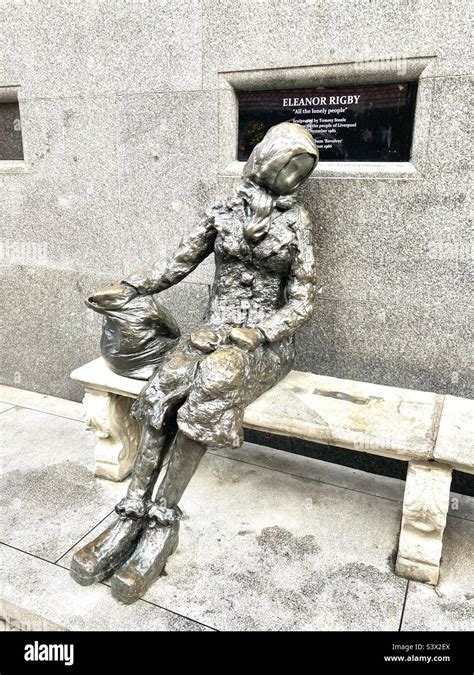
x: 11, y: 143
x: 350, y: 123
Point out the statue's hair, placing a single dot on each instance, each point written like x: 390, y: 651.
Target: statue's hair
x: 262, y: 205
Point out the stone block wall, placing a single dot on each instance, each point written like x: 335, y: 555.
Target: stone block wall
x: 119, y: 105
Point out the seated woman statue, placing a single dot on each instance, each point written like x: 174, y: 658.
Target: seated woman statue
x: 263, y: 291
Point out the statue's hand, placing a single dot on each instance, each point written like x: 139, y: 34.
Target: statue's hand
x: 113, y: 296
x: 246, y: 338
x: 205, y: 339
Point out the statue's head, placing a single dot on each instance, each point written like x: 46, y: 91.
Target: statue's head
x: 283, y: 160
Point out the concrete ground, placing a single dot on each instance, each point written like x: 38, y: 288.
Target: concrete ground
x: 269, y: 541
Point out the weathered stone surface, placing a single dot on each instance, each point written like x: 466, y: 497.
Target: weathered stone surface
x: 41, y: 402
x: 50, y: 495
x: 449, y: 143
x: 46, y: 308
x: 425, y: 507
x: 358, y: 415
x: 14, y: 618
x: 40, y: 594
x: 398, y: 345
x: 461, y: 506
x: 97, y: 375
x: 266, y: 539
x: 449, y: 606
x: 407, y: 243
x: 314, y: 469
x: 118, y: 435
x: 300, y: 33
x: 68, y: 203
x: 139, y: 47
x: 455, y: 440
x: 115, y: 172
x: 167, y: 170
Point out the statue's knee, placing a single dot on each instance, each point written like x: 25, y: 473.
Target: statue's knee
x: 222, y: 370
x: 173, y: 372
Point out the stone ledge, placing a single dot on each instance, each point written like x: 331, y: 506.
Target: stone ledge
x: 346, y: 170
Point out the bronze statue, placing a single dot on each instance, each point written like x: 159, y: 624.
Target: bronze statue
x: 263, y: 291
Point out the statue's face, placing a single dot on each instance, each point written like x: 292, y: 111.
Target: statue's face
x: 293, y: 173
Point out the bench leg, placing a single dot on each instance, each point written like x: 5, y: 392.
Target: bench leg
x: 118, y: 435
x: 425, y: 507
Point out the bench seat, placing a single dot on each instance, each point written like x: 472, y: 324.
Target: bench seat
x: 433, y: 432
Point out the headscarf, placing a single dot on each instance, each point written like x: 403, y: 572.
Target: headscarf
x: 280, y: 144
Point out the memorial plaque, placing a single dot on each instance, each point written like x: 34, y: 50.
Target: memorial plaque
x: 355, y: 123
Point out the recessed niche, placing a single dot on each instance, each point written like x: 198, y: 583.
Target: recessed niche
x: 374, y: 122
x: 11, y: 141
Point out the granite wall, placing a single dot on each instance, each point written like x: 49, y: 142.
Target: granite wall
x: 120, y: 109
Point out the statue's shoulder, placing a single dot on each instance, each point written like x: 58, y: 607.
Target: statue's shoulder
x: 299, y: 219
x: 221, y: 206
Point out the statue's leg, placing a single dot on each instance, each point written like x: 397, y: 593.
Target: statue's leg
x: 100, y: 557
x: 145, y: 471
x: 209, y: 413
x: 185, y: 458
x: 160, y: 537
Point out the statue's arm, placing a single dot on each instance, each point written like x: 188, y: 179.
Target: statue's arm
x: 191, y: 251
x: 301, y: 287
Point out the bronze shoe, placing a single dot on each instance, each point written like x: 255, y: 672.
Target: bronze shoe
x: 100, y: 558
x: 157, y: 544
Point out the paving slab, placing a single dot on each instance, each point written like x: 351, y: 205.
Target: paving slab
x: 41, y: 402
x: 264, y: 550
x: 50, y: 496
x: 315, y: 469
x: 36, y: 588
x: 4, y: 407
x: 449, y: 606
x: 461, y: 506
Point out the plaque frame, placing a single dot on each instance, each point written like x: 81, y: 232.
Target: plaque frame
x: 363, y: 72
x: 12, y: 94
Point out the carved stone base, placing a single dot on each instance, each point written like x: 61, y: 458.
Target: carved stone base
x: 425, y: 507
x: 108, y: 416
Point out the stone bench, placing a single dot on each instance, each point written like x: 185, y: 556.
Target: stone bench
x: 434, y: 433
